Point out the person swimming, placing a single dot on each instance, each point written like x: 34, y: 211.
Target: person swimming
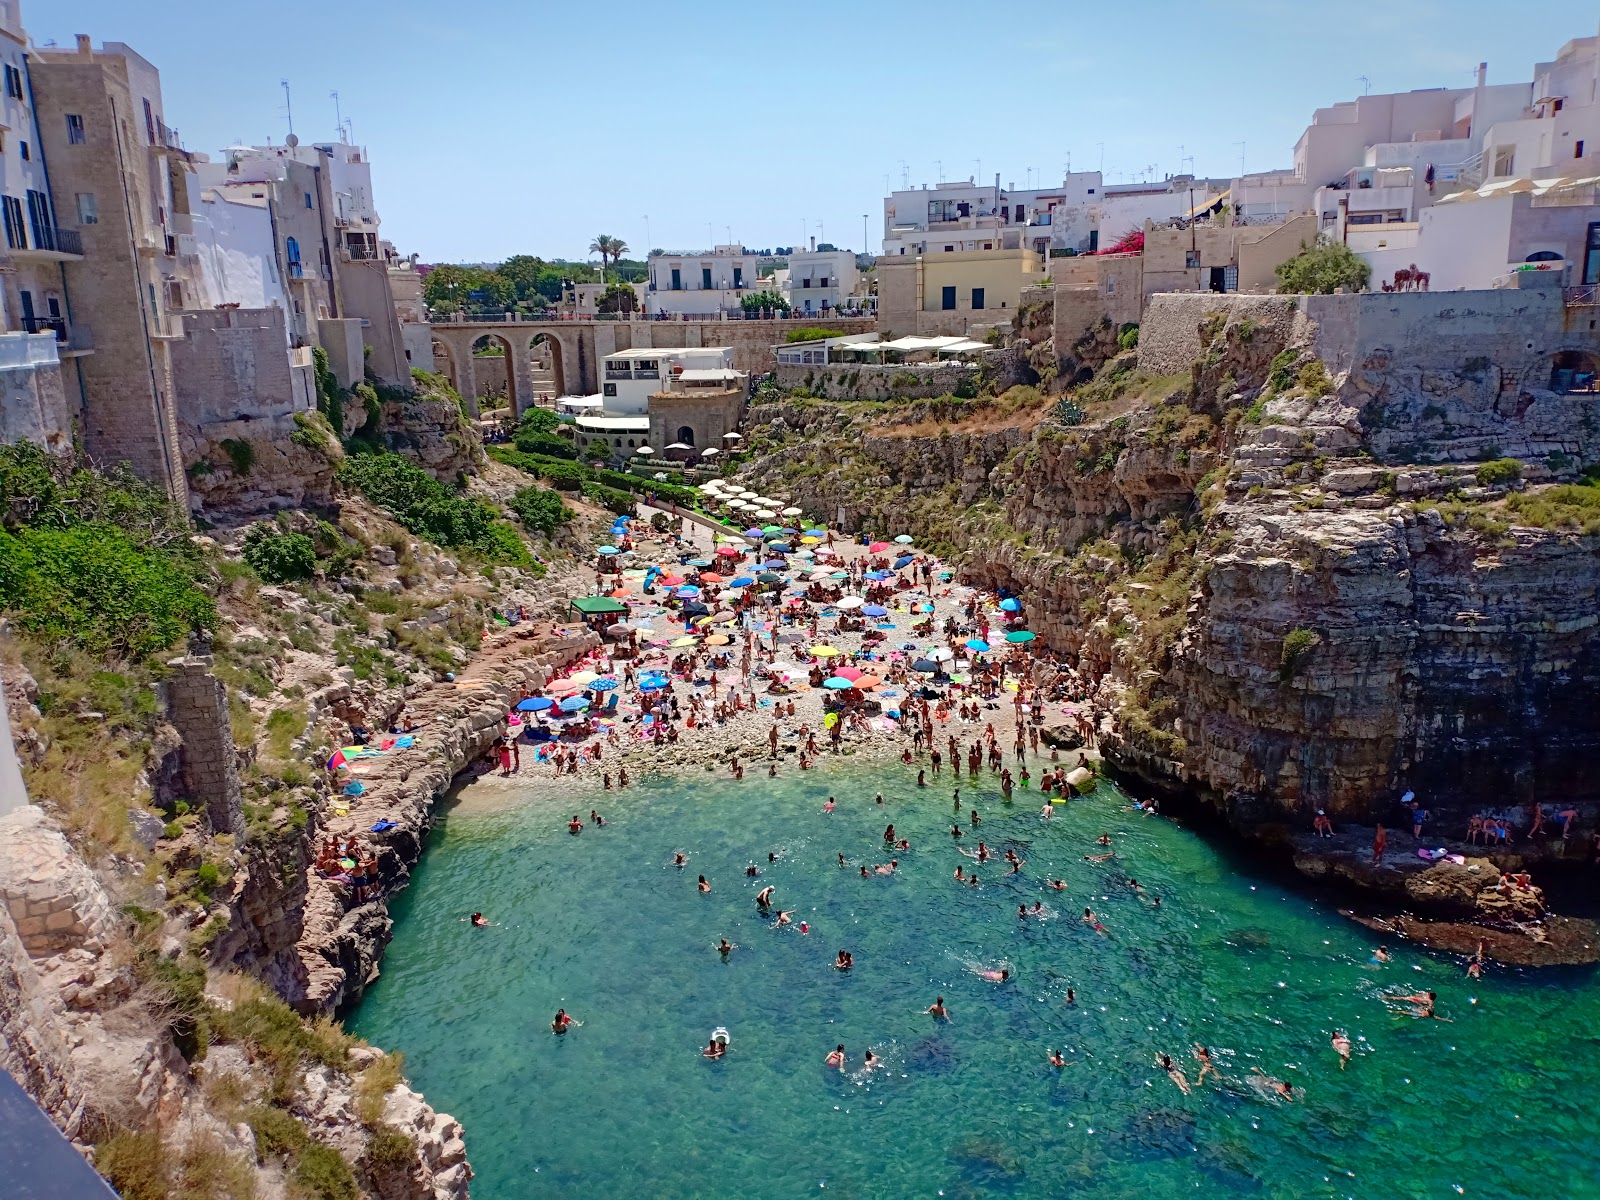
x: 844, y: 962
x: 961, y: 875
x: 992, y: 975
x: 703, y: 885
x: 937, y: 1009
x: 562, y: 1022
x: 1056, y: 1060
x: 842, y: 863
x: 751, y: 871
x: 1103, y: 840
x: 575, y: 825
x: 1278, y: 1087
x: 1092, y: 921
x: 1380, y: 955
x: 596, y: 818
x: 715, y: 1048
x: 1059, y: 885
x: 1341, y: 1046
x: 680, y: 859
x: 1207, y: 1067
x: 1174, y: 1072
x: 783, y: 917
x: 1072, y: 996
x: 837, y: 1058
x: 829, y: 806
x: 480, y: 921
x: 725, y: 947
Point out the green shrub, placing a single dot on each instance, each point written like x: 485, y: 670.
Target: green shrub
x: 391, y: 1148
x: 541, y: 510
x: 617, y: 501
x: 539, y: 420
x: 1128, y: 337
x: 90, y: 586
x: 240, y: 453
x: 1499, y: 471
x: 809, y: 333
x: 1297, y: 645
x: 277, y: 1133
x: 1281, y: 370
x: 330, y: 396
x: 279, y: 557
x: 324, y: 1174
x: 547, y: 444
x: 135, y: 1164
x: 430, y: 510
x: 1323, y: 266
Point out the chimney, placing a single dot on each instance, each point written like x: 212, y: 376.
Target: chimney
x: 813, y: 242
x: 85, y: 46
x: 1483, y: 74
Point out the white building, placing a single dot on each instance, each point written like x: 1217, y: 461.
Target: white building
x: 959, y: 217
x: 1556, y: 128
x: 822, y: 279
x: 701, y: 285
x: 231, y: 243
x: 629, y: 377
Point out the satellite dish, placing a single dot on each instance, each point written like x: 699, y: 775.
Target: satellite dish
x: 292, y: 141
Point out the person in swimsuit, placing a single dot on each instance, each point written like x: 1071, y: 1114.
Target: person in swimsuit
x: 1207, y: 1067
x: 783, y: 917
x: 1056, y: 1060
x: 479, y: 920
x: 829, y: 806
x: 764, y: 898
x: 937, y: 1009
x: 562, y: 1022
x: 870, y: 1061
x: 1072, y: 996
x: 837, y: 1058
x: 703, y: 885
x: 1281, y: 1089
x: 1381, y: 954
x: 844, y: 962
x: 725, y: 948
x: 575, y: 825
x: 596, y: 817
x: 1103, y: 840
x: 1341, y: 1046
x: 1174, y: 1072
x: 680, y: 859
x: 993, y: 976
x: 1058, y: 885
x: 842, y: 863
x: 714, y: 1049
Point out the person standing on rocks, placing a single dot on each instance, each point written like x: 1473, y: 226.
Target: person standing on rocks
x: 1380, y: 842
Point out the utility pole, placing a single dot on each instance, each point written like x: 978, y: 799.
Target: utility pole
x: 288, y: 108
x: 647, y: 234
x: 938, y: 164
x: 1194, y: 250
x: 338, y: 117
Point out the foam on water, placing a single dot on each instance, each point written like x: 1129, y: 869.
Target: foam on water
x: 1495, y: 1103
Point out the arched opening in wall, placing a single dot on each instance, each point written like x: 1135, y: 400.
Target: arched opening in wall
x: 549, y: 371
x: 1544, y: 256
x: 1574, y: 371
x: 444, y: 360
x: 492, y: 369
x: 685, y: 435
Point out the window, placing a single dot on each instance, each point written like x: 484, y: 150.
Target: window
x: 308, y: 199
x: 948, y: 299
x: 16, y: 231
x: 1191, y: 260
x: 738, y: 276
x: 88, y: 210
x: 1505, y: 160
x: 42, y: 219
x: 685, y: 435
x: 74, y: 129
x: 149, y: 123
x: 824, y: 282
x: 25, y: 154
x: 977, y: 298
x: 677, y: 280
x: 1591, y: 250
x: 805, y: 283
x: 1577, y: 148
x: 705, y: 278
x: 13, y: 82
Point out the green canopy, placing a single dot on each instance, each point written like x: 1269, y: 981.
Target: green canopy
x: 591, y: 606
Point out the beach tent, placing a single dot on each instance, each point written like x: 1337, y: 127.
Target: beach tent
x: 591, y: 606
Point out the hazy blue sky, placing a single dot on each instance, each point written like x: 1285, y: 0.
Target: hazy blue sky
x: 521, y: 126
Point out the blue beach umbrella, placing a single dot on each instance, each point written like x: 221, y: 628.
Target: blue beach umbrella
x: 816, y: 533
x: 836, y: 683
x: 609, y: 550
x: 603, y: 684
x: 1011, y: 604
x: 535, y: 704
x: 752, y: 532
x: 874, y: 610
x: 770, y: 577
x: 775, y: 564
x: 977, y: 644
x: 903, y: 561
x: 574, y: 704
x: 687, y: 592
x: 780, y: 548
x: 742, y: 581
x: 699, y: 562
x: 1021, y: 635
x: 905, y: 539
x: 925, y: 665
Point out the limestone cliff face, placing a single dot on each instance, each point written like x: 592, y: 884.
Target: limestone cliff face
x: 1273, y: 539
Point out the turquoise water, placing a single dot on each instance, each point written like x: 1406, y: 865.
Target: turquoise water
x: 1498, y: 1102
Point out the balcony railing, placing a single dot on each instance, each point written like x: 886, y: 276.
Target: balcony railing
x: 68, y: 336
x: 62, y: 241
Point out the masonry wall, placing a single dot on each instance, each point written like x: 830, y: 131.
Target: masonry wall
x: 364, y: 284
x: 232, y: 364
x: 33, y: 405
x: 197, y: 705
x: 1169, y: 335
x: 710, y: 415
x: 850, y: 381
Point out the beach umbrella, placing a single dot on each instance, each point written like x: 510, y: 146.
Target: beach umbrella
x: 1010, y: 604
x: 977, y: 644
x: 672, y: 580
x: 729, y: 551
x: 722, y: 617
x: 710, y: 485
x: 779, y: 548
x: 867, y: 682
x: 877, y: 547
x: 804, y: 553
x: 771, y: 529
x: 1021, y: 635
x: 825, y: 651
x: 733, y: 437
x: 694, y: 608
x: 903, y: 561
x: 877, y: 576
x: 874, y: 610
x: 687, y: 592
x: 717, y: 639
x: 583, y: 677
x: 574, y: 704
x: 608, y: 550
x: 603, y: 684
x: 699, y: 562
x: 743, y: 581
x: 775, y: 564
x: 730, y: 538
x: 686, y: 640
x: 792, y: 511
x: 905, y: 539
x: 765, y: 513
x: 810, y: 540
x: 941, y: 654
x: 788, y: 668
x: 652, y: 683
x: 618, y: 629
x: 851, y: 673
x: 850, y: 602
x: 710, y: 577
x: 712, y: 452
x: 535, y: 704
x: 770, y: 577
x: 836, y: 683
x: 817, y: 533
x: 926, y: 665
x: 752, y: 532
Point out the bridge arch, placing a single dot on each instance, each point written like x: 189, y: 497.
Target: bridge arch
x: 496, y: 371
x: 550, y: 342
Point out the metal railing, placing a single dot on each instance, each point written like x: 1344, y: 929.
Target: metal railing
x: 1586, y: 294
x: 63, y: 241
x: 55, y: 325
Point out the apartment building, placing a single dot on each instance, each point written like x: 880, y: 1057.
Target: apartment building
x: 953, y: 292
x: 700, y: 285
x: 822, y: 279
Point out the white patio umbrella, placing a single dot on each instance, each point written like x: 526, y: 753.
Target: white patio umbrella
x: 645, y: 451
x: 749, y: 495
x: 851, y: 602
x: 792, y: 511
x: 710, y: 453
x: 733, y: 437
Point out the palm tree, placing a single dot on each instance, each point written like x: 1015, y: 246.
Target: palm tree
x: 607, y: 247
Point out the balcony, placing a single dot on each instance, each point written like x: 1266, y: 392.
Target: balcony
x: 72, y: 339
x: 51, y: 245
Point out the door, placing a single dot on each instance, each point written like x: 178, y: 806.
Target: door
x: 977, y: 298
x: 705, y: 278
x: 948, y: 298
x: 677, y: 280
x: 1591, y: 255
x: 27, y: 310
x: 1219, y: 280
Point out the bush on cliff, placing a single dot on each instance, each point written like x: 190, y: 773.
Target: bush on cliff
x: 541, y: 510
x: 1321, y: 268
x: 1297, y: 647
x: 279, y: 557
x: 1499, y: 471
x: 431, y: 510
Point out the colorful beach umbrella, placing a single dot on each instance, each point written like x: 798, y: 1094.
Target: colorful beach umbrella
x: 825, y: 651
x: 535, y: 704
x: 608, y: 550
x: 977, y: 644
x: 686, y: 640
x: 729, y: 551
x: 743, y: 581
x: 604, y: 684
x: 925, y: 665
x: 574, y: 704
x: 836, y: 683
x: 877, y: 547
x: 867, y: 682
x: 1020, y: 635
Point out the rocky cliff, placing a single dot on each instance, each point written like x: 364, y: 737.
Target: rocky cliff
x: 1326, y: 548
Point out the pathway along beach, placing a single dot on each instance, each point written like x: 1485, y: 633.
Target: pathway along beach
x: 607, y: 926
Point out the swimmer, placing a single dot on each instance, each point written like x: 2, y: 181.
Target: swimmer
x: 1475, y: 964
x: 1072, y: 996
x: 772, y: 857
x: 844, y: 962
x: 870, y: 1061
x: 1022, y: 912
x: 1098, y: 857
x: 1207, y: 1067
x: 1381, y: 954
x: 714, y: 1049
x: 983, y: 852
x: 1281, y: 1089
x: 725, y: 948
x: 829, y: 806
x: 1055, y: 1058
x: 887, y: 868
x: 993, y: 976
x: 1422, y: 1003
x: 575, y: 825
x: 703, y: 885
x: 1341, y: 1046
x: 1092, y: 921
x: 804, y: 928
x: 842, y: 863
x: 1155, y: 902
x: 1058, y: 884
x: 751, y: 871
x: 961, y: 876
x: 764, y: 898
x: 888, y: 836
x: 596, y: 817
x: 1174, y: 1072
x: 1038, y: 909
x: 680, y: 859
x: 1103, y: 840
x: 865, y: 874
x: 1047, y: 811
x: 937, y: 1010
x: 562, y: 1022
x: 479, y: 920
x: 783, y: 917
x: 837, y: 1058
x: 878, y: 799
x: 955, y: 832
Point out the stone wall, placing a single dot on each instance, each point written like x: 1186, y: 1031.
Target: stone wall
x: 233, y: 365
x: 1170, y: 336
x: 33, y: 399
x: 54, y: 900
x: 197, y: 705
x: 852, y: 381
x: 34, y: 1048
x: 366, y: 293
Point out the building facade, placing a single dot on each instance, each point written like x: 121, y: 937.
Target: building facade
x: 700, y: 285
x: 822, y: 279
x: 955, y: 292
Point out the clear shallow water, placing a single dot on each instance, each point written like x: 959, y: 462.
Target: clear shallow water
x: 1497, y: 1103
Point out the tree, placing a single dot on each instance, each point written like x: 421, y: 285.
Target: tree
x: 522, y: 271
x: 608, y: 248
x: 450, y: 288
x: 618, y: 298
x: 756, y: 301
x: 1320, y: 268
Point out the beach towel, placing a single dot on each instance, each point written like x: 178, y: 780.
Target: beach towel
x: 354, y: 788
x: 404, y: 743
x: 383, y: 827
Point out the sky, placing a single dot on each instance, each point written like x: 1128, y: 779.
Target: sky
x: 500, y: 127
